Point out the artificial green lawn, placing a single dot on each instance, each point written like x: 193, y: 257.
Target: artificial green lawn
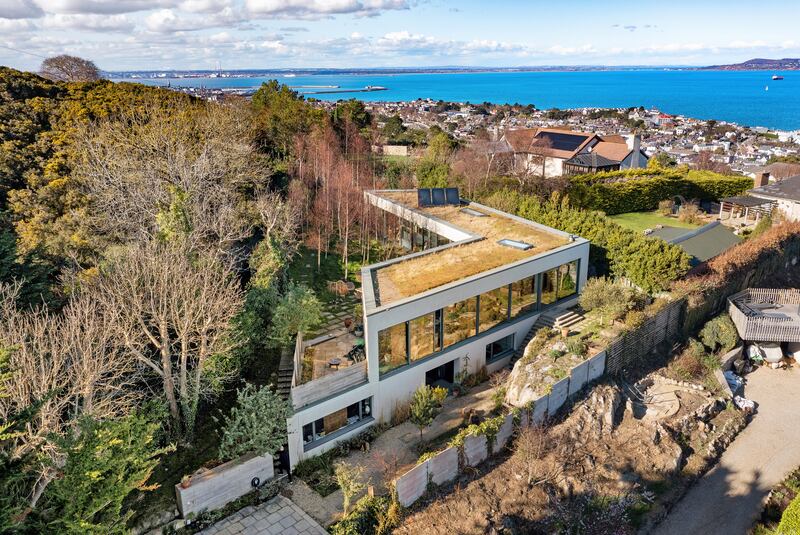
x: 639, y: 221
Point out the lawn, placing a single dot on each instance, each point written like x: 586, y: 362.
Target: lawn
x: 639, y: 221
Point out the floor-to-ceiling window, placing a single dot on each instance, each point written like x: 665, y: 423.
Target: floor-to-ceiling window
x: 459, y: 321
x: 422, y: 337
x: 493, y: 308
x: 523, y: 296
x: 567, y: 280
x: 336, y: 422
x: 392, y: 348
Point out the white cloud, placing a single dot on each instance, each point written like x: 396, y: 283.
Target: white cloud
x: 19, y: 9
x: 92, y: 23
x: 322, y: 8
x: 105, y: 7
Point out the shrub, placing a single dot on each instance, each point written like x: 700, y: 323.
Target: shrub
x: 371, y: 515
x: 764, y: 224
x: 650, y: 263
x: 401, y: 413
x: 609, y: 298
x: 665, y: 207
x: 689, y: 213
x: 348, y: 477
x: 297, y: 310
x: 577, y: 346
x: 425, y: 405
x: 637, y: 190
x: 256, y: 423
x: 634, y: 318
x: 790, y: 520
x: 720, y: 334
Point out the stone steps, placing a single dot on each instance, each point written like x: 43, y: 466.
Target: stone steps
x: 556, y: 319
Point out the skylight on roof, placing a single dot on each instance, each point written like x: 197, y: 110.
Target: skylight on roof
x: 474, y: 213
x: 521, y: 245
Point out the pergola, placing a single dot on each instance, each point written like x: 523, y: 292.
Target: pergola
x: 741, y: 207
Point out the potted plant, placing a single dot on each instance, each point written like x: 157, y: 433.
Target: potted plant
x: 186, y: 481
x: 564, y: 332
x: 348, y: 323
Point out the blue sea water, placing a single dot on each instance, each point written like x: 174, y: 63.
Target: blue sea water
x: 749, y: 98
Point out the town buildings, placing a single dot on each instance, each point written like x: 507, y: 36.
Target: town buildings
x: 469, y: 287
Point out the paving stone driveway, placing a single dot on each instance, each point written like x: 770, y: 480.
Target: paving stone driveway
x: 279, y: 516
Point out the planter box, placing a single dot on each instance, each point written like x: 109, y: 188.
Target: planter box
x: 597, y: 366
x: 558, y: 395
x: 223, y: 484
x: 578, y: 377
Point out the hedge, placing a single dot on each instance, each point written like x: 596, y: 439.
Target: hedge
x: 650, y: 263
x: 790, y: 520
x: 638, y: 190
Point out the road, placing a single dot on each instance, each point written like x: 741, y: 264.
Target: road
x: 728, y: 498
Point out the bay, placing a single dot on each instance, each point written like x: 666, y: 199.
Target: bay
x: 749, y: 98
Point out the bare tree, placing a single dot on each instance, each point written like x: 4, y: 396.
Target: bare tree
x: 71, y: 363
x: 280, y: 219
x: 704, y: 161
x: 530, y: 449
x: 172, y: 309
x: 66, y: 68
x: 540, y: 150
x: 174, y: 167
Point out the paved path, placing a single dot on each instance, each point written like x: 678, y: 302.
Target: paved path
x: 728, y: 499
x: 279, y: 516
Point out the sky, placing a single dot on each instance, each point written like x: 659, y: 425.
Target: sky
x: 264, y: 34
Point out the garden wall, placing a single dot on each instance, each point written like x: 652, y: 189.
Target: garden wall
x: 216, y: 487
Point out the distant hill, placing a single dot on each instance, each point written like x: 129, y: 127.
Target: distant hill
x: 761, y: 64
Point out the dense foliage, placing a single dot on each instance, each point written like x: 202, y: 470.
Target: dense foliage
x: 650, y: 263
x: 372, y: 515
x: 257, y: 423
x: 636, y: 190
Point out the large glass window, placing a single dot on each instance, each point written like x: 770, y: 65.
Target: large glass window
x: 493, y: 308
x: 459, y: 321
x: 422, y: 337
x: 500, y: 348
x: 523, y: 296
x: 337, y: 421
x: 549, y: 285
x: 392, y: 348
x: 567, y: 280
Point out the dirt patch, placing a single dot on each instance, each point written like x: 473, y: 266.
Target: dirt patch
x: 621, y: 456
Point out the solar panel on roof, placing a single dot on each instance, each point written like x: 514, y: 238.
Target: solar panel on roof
x: 438, y: 197
x: 452, y: 196
x: 424, y: 197
x: 558, y: 141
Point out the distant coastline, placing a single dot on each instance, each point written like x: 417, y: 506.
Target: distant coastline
x: 756, y: 64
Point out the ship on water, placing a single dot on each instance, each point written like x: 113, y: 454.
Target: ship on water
x: 777, y: 77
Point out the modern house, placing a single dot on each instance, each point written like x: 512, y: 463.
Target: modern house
x: 562, y: 152
x: 469, y: 285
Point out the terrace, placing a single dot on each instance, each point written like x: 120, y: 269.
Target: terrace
x: 479, y: 239
x: 766, y: 315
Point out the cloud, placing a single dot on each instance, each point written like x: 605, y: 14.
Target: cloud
x: 630, y: 28
x: 19, y: 9
x: 294, y: 29
x: 9, y: 26
x: 92, y: 23
x: 105, y: 7
x: 310, y: 9
x: 170, y: 20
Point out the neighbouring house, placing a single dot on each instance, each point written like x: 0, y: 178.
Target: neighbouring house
x: 784, y: 194
x: 702, y: 243
x: 468, y: 287
x: 767, y: 315
x: 396, y: 150
x: 551, y: 152
x: 775, y: 171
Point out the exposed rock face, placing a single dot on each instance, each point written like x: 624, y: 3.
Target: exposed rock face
x: 522, y: 384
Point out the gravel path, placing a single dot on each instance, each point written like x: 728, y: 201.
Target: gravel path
x: 728, y: 499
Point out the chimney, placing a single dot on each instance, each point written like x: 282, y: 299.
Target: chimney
x: 634, y: 142
x: 762, y: 179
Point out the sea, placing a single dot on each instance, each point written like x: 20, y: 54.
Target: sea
x: 748, y: 98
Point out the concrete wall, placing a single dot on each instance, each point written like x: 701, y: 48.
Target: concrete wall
x: 444, y: 467
x: 412, y: 485
x: 597, y: 366
x: 223, y: 484
x: 578, y: 377
x: 558, y: 395
x: 504, y: 433
x: 539, y: 413
x: 476, y: 449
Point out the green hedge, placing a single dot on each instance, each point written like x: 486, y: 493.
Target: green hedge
x: 372, y: 515
x: 650, y: 263
x: 790, y: 520
x: 637, y: 190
